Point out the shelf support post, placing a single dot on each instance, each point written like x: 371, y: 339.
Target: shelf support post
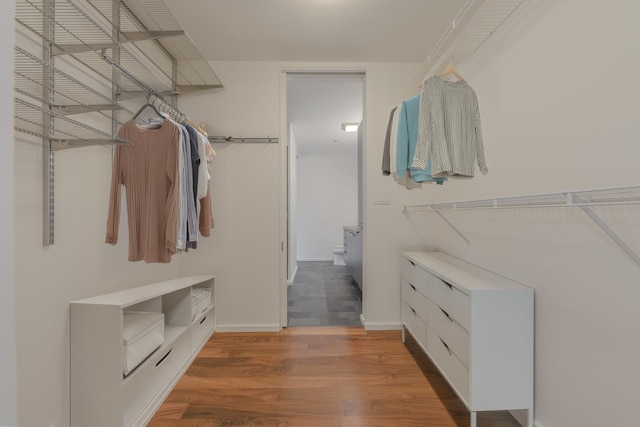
x: 48, y: 159
x: 571, y: 198
x: 115, y: 75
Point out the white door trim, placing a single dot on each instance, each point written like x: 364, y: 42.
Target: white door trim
x: 284, y: 168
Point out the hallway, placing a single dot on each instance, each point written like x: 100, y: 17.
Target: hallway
x: 323, y: 294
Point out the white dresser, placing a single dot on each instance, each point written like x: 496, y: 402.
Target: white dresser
x: 103, y: 391
x: 476, y: 326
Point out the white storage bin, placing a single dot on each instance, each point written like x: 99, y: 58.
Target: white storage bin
x: 200, y: 301
x: 142, y: 334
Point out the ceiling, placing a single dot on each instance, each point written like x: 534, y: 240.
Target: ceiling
x: 318, y: 105
x: 317, y: 31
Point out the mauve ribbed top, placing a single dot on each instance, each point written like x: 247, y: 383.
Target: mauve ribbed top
x: 148, y: 169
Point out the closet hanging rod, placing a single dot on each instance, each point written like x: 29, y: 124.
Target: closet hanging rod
x: 178, y: 115
x: 142, y: 85
x: 267, y: 140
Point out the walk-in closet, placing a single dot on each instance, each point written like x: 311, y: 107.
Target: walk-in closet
x: 150, y: 246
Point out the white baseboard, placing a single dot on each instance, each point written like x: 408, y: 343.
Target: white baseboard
x: 248, y: 328
x: 370, y: 326
x: 315, y: 259
x: 293, y: 276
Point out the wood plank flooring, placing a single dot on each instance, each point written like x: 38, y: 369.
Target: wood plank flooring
x: 316, y: 377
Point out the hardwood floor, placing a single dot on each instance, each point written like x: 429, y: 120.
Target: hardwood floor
x: 315, y: 376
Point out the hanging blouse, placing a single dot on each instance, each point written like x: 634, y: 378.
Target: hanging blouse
x: 386, y: 155
x: 148, y: 169
x: 449, y: 130
x: 407, y: 141
x: 206, y: 214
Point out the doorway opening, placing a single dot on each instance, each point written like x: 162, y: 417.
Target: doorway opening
x: 324, y: 199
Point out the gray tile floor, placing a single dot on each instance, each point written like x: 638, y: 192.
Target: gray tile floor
x: 323, y: 294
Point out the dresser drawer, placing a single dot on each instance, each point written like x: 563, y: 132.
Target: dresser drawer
x: 450, y: 366
x: 414, y: 275
x: 202, y: 329
x: 452, y: 300
x: 140, y: 387
x: 413, y: 322
x: 456, y: 337
x: 415, y: 299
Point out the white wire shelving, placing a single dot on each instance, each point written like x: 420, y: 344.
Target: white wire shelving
x: 78, y: 61
x: 584, y: 200
x: 474, y: 24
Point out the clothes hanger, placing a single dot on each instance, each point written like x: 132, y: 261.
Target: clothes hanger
x: 149, y: 104
x: 451, y: 69
x: 202, y: 129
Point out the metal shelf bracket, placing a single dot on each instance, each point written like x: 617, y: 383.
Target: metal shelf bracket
x: 572, y: 198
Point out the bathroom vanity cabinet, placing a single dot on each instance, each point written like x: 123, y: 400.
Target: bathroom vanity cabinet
x: 353, y: 252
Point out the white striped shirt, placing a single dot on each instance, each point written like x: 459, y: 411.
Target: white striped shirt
x: 449, y: 130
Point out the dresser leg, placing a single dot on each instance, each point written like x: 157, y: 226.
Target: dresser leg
x: 529, y: 417
x: 473, y: 419
x: 403, y: 336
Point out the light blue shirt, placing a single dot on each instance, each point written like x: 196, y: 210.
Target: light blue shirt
x: 408, y: 140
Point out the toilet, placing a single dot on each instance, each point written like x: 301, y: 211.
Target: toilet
x: 338, y: 255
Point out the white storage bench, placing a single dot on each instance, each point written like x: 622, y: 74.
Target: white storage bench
x: 129, y: 348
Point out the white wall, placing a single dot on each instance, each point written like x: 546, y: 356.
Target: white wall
x: 327, y: 201
x: 244, y: 249
x: 293, y: 205
x: 7, y: 292
x: 78, y: 265
x: 560, y: 103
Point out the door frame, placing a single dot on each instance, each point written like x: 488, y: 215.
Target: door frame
x: 284, y: 173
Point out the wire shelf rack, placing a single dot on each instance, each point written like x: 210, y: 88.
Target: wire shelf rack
x: 585, y: 200
x: 471, y: 28
x: 77, y: 61
x: 595, y: 197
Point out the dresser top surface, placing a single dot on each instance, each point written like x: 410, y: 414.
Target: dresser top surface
x: 132, y: 296
x: 462, y: 273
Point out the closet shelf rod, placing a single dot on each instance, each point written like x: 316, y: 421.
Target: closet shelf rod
x: 124, y: 71
x: 178, y: 115
x: 585, y: 200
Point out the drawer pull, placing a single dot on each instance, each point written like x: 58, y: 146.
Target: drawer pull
x: 448, y: 284
x: 203, y: 319
x: 412, y: 287
x: 414, y: 312
x: 412, y: 263
x: 163, y: 358
x: 445, y: 346
x: 446, y: 314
